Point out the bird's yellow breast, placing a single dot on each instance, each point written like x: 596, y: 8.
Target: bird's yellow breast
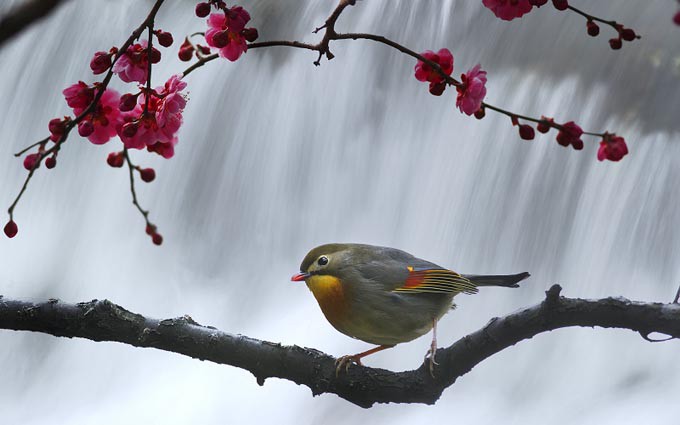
x: 330, y: 295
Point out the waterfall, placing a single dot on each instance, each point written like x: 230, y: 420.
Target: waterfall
x: 277, y: 156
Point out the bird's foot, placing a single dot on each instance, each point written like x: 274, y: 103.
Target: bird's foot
x: 431, y: 352
x: 344, y: 362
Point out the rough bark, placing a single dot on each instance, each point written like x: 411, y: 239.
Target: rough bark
x: 105, y: 321
x: 24, y: 15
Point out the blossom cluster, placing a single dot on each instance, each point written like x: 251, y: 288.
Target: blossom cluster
x: 436, y: 69
x: 144, y: 118
x: 511, y: 9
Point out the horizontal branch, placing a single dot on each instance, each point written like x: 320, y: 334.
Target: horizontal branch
x: 105, y: 321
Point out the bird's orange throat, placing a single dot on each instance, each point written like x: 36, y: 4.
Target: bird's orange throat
x: 330, y: 295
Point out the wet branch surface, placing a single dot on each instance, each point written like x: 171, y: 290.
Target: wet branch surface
x: 24, y: 15
x: 363, y: 386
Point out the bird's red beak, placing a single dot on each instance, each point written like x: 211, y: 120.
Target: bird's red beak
x: 299, y: 277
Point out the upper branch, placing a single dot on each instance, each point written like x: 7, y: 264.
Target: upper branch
x: 105, y: 321
x: 22, y: 16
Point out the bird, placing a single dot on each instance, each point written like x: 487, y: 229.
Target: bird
x: 385, y: 296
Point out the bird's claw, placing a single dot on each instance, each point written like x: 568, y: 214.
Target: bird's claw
x: 344, y: 362
x: 431, y: 356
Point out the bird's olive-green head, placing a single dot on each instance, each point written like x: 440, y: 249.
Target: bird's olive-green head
x: 324, y: 260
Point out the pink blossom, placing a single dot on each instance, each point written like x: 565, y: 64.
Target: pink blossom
x: 472, y: 90
x: 425, y: 72
x: 104, y: 119
x: 225, y: 32
x: 133, y: 65
x: 612, y: 147
x: 157, y: 130
x: 508, y: 9
x: 79, y: 95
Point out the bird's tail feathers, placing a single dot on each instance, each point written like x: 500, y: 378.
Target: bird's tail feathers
x: 505, y: 280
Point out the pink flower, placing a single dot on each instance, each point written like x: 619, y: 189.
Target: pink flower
x: 570, y: 134
x: 508, y: 9
x: 425, y: 72
x: 133, y: 65
x: 172, y: 105
x: 79, y: 95
x: 157, y: 130
x: 612, y: 147
x: 227, y: 32
x: 472, y: 90
x: 104, y: 119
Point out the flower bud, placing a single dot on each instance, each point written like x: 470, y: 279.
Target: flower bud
x: 221, y: 39
x: 164, y: 38
x: 157, y: 238
x: 32, y: 161
x: 115, y: 159
x: 561, y: 4
x: 628, y: 34
x: 147, y: 174
x: 615, y: 43
x: 593, y: 28
x: 129, y: 129
x: 85, y: 128
x: 100, y: 63
x: 128, y: 101
x: 526, y: 132
x: 51, y: 162
x: 11, y: 229
x: 250, y: 34
x: 202, y: 10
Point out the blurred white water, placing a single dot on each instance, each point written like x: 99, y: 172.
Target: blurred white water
x: 277, y: 156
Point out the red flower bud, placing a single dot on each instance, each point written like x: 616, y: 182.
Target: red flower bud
x: 437, y: 88
x: 676, y: 18
x: 157, y: 239
x: 147, y: 174
x: 202, y: 10
x: 544, y: 125
x: 615, y: 43
x: 250, y: 34
x: 116, y: 159
x: 628, y: 34
x: 185, y: 53
x: 204, y: 49
x: 538, y: 3
x: 164, y: 38
x: 221, y: 39
x: 129, y: 129
x: 32, y: 161
x: 561, y: 4
x: 85, y: 128
x: 100, y: 63
x: 155, y: 55
x: 150, y: 229
x: 128, y: 101
x: 481, y: 112
x: 593, y: 29
x: 11, y: 229
x: 526, y: 132
x: 51, y: 162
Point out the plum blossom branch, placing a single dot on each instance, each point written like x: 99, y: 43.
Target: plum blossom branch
x: 511, y: 9
x: 61, y: 129
x: 363, y: 386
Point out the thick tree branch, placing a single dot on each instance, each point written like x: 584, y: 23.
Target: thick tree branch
x: 105, y: 321
x: 25, y: 14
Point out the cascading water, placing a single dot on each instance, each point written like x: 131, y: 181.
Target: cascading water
x: 277, y: 156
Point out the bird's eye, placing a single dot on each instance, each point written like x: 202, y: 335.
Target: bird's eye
x: 322, y: 261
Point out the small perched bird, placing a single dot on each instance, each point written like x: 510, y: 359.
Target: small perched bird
x: 385, y: 296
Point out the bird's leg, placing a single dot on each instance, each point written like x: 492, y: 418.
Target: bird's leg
x: 433, y: 348
x: 345, y: 361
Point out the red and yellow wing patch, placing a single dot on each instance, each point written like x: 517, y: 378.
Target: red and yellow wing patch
x: 436, y: 281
